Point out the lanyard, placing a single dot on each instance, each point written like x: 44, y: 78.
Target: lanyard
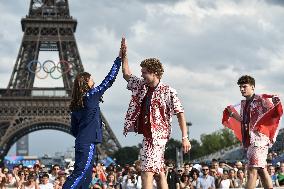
x: 148, y: 98
x: 246, y: 113
x: 245, y: 122
x: 148, y: 101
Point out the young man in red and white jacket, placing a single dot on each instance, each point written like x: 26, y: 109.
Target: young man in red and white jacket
x: 258, y: 120
x: 150, y: 112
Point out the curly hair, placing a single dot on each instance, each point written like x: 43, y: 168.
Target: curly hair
x: 153, y: 65
x: 194, y: 171
x: 80, y: 87
x: 246, y: 79
x: 183, y: 176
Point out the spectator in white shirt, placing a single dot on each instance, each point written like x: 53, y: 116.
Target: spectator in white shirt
x: 45, y: 184
x: 205, y: 181
x: 54, y: 173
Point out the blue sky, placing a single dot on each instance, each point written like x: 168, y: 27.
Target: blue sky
x: 205, y: 47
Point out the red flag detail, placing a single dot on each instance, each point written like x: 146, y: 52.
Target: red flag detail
x: 269, y: 122
x: 266, y: 125
x: 232, y: 123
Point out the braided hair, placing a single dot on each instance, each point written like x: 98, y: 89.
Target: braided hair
x: 80, y: 87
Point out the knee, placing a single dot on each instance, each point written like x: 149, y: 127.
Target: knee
x: 252, y: 173
x: 262, y: 172
x: 147, y: 175
x: 162, y: 176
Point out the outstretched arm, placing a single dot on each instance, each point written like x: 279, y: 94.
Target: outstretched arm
x: 234, y: 115
x: 109, y: 79
x: 125, y: 67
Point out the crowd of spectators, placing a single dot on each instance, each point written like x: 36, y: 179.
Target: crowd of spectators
x: 213, y: 174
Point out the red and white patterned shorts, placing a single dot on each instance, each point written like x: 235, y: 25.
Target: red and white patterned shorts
x: 258, y: 150
x: 152, y: 155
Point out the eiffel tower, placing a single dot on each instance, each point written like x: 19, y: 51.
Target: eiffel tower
x: 25, y: 108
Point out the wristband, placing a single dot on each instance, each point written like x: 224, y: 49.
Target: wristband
x: 185, y: 137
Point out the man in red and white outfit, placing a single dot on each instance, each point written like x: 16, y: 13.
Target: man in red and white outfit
x: 256, y: 127
x: 150, y: 112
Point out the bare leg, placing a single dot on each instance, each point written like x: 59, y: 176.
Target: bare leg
x: 157, y: 180
x: 163, y: 181
x: 147, y: 180
x: 265, y: 178
x: 252, y: 176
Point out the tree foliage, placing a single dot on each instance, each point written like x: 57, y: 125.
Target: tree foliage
x: 126, y: 155
x: 170, y: 152
x: 215, y: 141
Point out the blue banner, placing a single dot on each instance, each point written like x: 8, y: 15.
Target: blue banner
x: 11, y: 161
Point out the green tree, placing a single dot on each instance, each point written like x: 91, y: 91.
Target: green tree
x: 170, y: 152
x: 217, y: 140
x: 211, y: 142
x: 228, y: 137
x: 195, y: 151
x: 126, y: 155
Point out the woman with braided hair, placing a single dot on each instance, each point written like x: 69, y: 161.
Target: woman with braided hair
x: 86, y: 123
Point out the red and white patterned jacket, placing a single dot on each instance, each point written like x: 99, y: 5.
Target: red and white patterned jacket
x: 259, y: 106
x: 264, y: 121
x: 164, y: 103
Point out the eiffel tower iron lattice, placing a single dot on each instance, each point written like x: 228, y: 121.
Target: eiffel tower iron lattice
x: 25, y: 108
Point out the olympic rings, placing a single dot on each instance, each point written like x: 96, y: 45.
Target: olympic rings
x: 43, y: 77
x: 45, y: 69
x: 62, y: 67
x: 31, y: 64
x: 37, y: 69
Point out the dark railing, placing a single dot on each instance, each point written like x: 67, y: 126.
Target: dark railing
x: 36, y: 92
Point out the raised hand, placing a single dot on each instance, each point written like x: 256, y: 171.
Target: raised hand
x: 120, y: 51
x: 275, y: 99
x: 229, y: 109
x: 123, y: 54
x: 123, y: 48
